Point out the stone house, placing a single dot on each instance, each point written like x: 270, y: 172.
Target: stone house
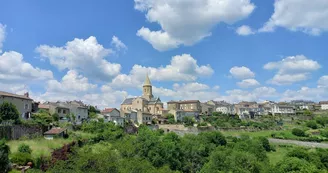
x: 23, y: 103
x: 324, y: 105
x: 113, y: 115
x: 207, y: 109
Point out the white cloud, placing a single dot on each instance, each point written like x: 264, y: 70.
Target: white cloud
x: 119, y: 45
x: 216, y: 87
x: 306, y: 93
x: 2, y: 35
x: 242, y: 72
x: 258, y: 94
x: 72, y: 82
x: 186, y: 22
x: 299, y: 15
x: 14, y: 69
x: 182, y: 68
x: 292, y: 69
x: 195, y: 86
x: 84, y: 56
x: 248, y: 83
x: 323, y: 82
x: 245, y: 30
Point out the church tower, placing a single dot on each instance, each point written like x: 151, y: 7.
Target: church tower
x: 147, y: 92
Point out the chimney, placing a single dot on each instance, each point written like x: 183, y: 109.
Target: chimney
x: 26, y: 94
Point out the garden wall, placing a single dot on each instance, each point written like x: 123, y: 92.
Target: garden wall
x: 14, y: 132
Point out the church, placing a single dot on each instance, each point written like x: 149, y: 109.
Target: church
x: 146, y: 103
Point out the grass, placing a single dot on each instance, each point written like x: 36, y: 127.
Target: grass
x: 264, y: 133
x: 39, y: 146
x: 42, y: 146
x: 279, y: 154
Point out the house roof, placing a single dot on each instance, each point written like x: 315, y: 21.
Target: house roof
x: 55, y: 131
x: 184, y: 101
x: 2, y: 93
x: 108, y: 110
x: 128, y: 101
x: 323, y: 102
x: 44, y: 106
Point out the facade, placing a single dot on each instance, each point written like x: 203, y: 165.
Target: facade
x: 247, y: 109
x: 23, y: 103
x: 187, y: 105
x: 79, y: 109
x: 301, y: 104
x: 324, y: 105
x: 144, y: 105
x: 283, y: 109
x: 207, y: 109
x: 113, y: 115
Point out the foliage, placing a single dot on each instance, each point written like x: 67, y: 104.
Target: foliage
x: 24, y: 148
x: 55, y: 117
x: 265, y: 143
x: 4, y: 159
x: 202, y: 124
x: 21, y: 158
x: 92, y: 115
x: 42, y: 118
x: 324, y: 133
x: 293, y: 164
x: 8, y: 111
x: 188, y: 121
x: 298, y: 132
x: 93, y: 109
x: 223, y: 120
x: 322, y: 120
x: 170, y: 118
x: 311, y: 124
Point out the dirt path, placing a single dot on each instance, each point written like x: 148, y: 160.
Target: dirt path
x: 299, y: 143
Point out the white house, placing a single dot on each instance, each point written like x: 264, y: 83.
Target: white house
x: 225, y: 109
x: 324, y: 105
x: 113, y: 115
x: 282, y: 109
x: 23, y: 103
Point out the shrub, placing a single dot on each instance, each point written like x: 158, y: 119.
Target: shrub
x: 312, y: 124
x: 265, y: 143
x: 298, y: 132
x: 24, y: 148
x: 324, y: 133
x: 4, y: 160
x: 8, y: 111
x: 21, y: 158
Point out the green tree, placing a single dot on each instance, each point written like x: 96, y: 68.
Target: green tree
x: 55, y: 117
x: 312, y: 124
x: 188, y: 121
x: 298, y: 132
x: 8, y: 111
x: 170, y: 118
x: 4, y: 159
x: 42, y: 118
x: 293, y: 164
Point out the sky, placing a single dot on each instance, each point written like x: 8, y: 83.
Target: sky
x: 101, y: 51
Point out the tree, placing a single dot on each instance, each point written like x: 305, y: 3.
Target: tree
x: 8, y: 111
x: 293, y: 164
x: 43, y: 118
x: 188, y: 121
x: 55, y: 117
x: 312, y: 124
x: 298, y: 132
x: 4, y: 159
x: 170, y: 118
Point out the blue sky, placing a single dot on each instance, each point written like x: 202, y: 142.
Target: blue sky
x: 100, y: 52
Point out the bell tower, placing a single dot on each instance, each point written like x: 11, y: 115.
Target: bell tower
x: 147, y: 89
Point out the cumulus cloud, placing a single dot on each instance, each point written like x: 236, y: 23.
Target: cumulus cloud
x: 241, y: 72
x: 299, y: 15
x: 195, y: 86
x: 84, y: 56
x: 2, y: 35
x: 186, y: 22
x: 248, y: 83
x: 323, y: 82
x: 306, y: 93
x: 292, y: 69
x: 182, y: 68
x: 14, y: 69
x: 119, y: 45
x: 245, y: 30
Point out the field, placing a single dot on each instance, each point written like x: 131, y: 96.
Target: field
x: 264, y: 133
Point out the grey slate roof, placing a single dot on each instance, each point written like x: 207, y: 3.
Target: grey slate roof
x: 128, y: 101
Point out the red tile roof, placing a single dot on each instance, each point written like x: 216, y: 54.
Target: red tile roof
x: 55, y: 131
x: 108, y: 110
x: 43, y: 106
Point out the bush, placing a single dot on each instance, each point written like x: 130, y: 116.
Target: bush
x: 21, y: 158
x: 312, y: 124
x: 24, y: 148
x: 4, y: 160
x: 8, y: 111
x: 298, y: 132
x: 265, y: 143
x: 324, y: 133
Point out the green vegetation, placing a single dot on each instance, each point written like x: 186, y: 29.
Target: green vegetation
x: 8, y: 112
x: 23, y: 148
x: 4, y: 156
x: 298, y: 132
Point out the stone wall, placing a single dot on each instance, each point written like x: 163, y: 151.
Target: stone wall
x: 17, y: 131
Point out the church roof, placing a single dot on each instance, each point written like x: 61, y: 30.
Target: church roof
x: 147, y: 81
x: 128, y: 101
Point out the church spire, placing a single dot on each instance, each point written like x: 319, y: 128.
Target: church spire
x: 147, y: 81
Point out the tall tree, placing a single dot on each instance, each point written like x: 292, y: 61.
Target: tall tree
x: 8, y: 111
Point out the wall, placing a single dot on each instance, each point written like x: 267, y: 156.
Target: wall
x: 17, y: 131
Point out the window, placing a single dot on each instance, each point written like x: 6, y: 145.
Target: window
x: 26, y: 106
x: 64, y: 111
x: 149, y: 108
x: 59, y: 111
x: 79, y: 117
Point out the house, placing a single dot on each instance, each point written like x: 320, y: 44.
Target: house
x: 55, y: 132
x: 79, y: 109
x: 23, y: 103
x: 248, y: 109
x: 207, y: 109
x: 189, y: 105
x: 324, y: 105
x: 283, y: 109
x: 56, y: 108
x: 113, y: 115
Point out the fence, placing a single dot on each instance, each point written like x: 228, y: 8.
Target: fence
x: 13, y: 132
